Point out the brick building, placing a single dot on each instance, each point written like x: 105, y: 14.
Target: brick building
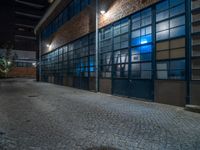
x: 24, y: 63
x: 148, y: 49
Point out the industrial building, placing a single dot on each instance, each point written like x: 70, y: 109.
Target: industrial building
x: 19, y: 19
x: 147, y: 49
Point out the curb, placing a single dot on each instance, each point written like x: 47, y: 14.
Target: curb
x: 193, y: 108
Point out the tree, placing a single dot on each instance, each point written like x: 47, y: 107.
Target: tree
x: 5, y: 66
x: 7, y: 60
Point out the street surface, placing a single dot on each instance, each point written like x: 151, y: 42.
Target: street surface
x: 42, y: 116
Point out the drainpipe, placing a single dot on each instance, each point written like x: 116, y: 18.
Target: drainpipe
x: 188, y: 50
x: 97, y: 45
x: 40, y: 58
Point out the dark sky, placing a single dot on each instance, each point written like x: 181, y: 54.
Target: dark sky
x: 18, y: 19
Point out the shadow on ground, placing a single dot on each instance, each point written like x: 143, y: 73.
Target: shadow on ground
x: 102, y: 148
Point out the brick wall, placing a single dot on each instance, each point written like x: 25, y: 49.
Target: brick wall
x: 78, y: 26
x: 84, y: 23
x: 118, y: 9
x: 23, y: 72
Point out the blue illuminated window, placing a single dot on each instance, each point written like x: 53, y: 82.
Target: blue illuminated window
x: 141, y: 42
x: 146, y: 49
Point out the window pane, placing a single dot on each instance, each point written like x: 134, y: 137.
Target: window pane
x: 146, y: 39
x: 135, y: 67
x: 146, y: 66
x: 162, y: 26
x: 146, y: 74
x: 162, y: 66
x: 162, y: 16
x: 177, y: 21
x: 162, y: 35
x: 177, y: 74
x: 145, y: 57
x: 135, y: 33
x: 162, y: 6
x: 177, y: 10
x: 177, y: 64
x: 178, y: 31
x: 146, y: 49
x: 162, y: 46
x: 162, y: 75
x: 175, y: 2
x: 135, y: 58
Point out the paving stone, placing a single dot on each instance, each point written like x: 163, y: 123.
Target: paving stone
x: 63, y: 118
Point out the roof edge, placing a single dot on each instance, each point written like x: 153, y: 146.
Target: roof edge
x: 46, y: 15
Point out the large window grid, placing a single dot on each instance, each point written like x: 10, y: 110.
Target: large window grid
x: 71, y: 59
x: 51, y: 63
x: 92, y: 56
x: 60, y: 72
x: 170, y: 47
x: 173, y: 69
x: 81, y: 57
x: 106, y: 65
x: 120, y: 47
x: 44, y: 69
x: 170, y: 39
x: 65, y: 60
x: 105, y: 44
x: 70, y: 10
x: 141, y: 43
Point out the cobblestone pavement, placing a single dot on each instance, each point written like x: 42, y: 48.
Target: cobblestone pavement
x: 42, y: 116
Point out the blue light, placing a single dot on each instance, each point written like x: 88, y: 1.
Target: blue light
x: 135, y: 41
x: 143, y: 41
x: 146, y: 49
x: 91, y: 69
x: 146, y: 39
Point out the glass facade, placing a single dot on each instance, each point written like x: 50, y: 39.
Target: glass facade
x: 77, y: 59
x: 150, y: 41
x: 120, y: 48
x: 141, y: 45
x: 170, y: 39
x: 105, y: 46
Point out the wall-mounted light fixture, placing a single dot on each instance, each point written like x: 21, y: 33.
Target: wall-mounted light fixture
x: 48, y: 45
x: 34, y: 64
x: 102, y: 12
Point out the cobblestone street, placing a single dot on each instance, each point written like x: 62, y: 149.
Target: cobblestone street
x: 42, y: 116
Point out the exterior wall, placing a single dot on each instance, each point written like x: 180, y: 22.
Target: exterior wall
x: 92, y: 84
x: 118, y: 9
x: 29, y: 72
x: 195, y: 48
x: 84, y: 22
x: 171, y: 89
x: 195, y: 93
x: 23, y: 63
x: 170, y: 92
x: 105, y: 86
x: 78, y: 26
